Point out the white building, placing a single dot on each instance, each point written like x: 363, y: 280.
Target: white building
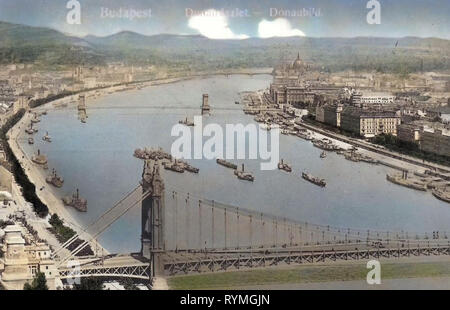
x: 23, y: 259
x: 372, y: 98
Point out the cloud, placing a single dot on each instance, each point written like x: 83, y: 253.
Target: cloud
x: 280, y: 27
x: 214, y: 25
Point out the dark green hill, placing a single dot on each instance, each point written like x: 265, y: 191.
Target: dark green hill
x: 19, y: 43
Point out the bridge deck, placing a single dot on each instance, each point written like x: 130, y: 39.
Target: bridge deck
x: 190, y: 262
x: 131, y: 266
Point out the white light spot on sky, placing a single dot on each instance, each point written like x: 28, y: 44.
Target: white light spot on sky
x: 280, y: 27
x: 213, y: 25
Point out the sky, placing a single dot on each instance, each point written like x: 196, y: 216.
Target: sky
x: 236, y: 19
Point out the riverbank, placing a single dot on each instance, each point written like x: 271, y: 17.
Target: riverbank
x: 36, y: 176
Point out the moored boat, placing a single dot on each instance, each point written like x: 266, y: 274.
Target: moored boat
x: 54, y: 179
x: 76, y: 202
x: 441, y: 194
x: 39, y: 158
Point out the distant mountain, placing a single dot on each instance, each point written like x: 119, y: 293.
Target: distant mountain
x: 127, y: 39
x: 14, y: 35
x: 25, y: 43
x: 19, y: 43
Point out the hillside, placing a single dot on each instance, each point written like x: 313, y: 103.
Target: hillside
x: 20, y: 43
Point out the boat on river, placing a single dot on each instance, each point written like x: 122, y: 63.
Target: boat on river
x: 47, y: 138
x: 315, y: 180
x: 243, y: 175
x: 35, y: 119
x: 39, y: 158
x: 173, y: 166
x: 54, y: 179
x: 225, y: 163
x: 76, y: 201
x: 30, y: 130
x: 186, y: 166
x: 283, y: 166
x: 186, y: 122
x: 441, y: 193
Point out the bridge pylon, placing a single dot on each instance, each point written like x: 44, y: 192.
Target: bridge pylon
x: 152, y: 234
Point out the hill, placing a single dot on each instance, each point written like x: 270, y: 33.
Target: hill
x: 19, y: 43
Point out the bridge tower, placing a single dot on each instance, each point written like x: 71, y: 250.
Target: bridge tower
x: 206, y: 109
x: 152, y: 235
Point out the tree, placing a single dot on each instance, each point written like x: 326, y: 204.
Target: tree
x: 128, y: 284
x: 55, y: 220
x: 39, y: 283
x: 89, y: 284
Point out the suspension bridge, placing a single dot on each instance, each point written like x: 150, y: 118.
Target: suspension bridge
x: 182, y: 234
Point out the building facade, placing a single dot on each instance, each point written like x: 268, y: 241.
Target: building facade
x: 24, y: 258
x: 372, y: 99
x: 436, y: 141
x: 369, y: 123
x: 408, y: 133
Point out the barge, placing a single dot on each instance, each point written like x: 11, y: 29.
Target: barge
x: 173, y: 166
x: 225, y: 163
x: 186, y: 166
x: 410, y: 183
x: 315, y: 180
x: 441, y: 194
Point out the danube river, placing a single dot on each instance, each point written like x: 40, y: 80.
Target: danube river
x: 97, y: 157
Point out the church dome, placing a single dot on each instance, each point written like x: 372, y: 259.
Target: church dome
x: 298, y: 63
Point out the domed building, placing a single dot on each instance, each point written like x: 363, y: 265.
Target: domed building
x: 288, y: 84
x: 298, y: 63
